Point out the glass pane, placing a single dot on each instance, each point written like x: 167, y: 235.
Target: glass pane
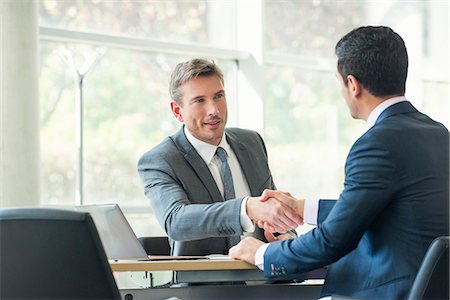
x: 308, y: 28
x: 126, y: 112
x: 57, y: 114
x: 308, y: 127
x: 308, y: 130
x: 172, y: 21
x: 436, y: 103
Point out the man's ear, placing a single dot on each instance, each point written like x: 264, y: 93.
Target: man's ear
x: 354, y: 86
x: 176, y: 110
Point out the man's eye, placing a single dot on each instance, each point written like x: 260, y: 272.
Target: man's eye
x: 219, y: 96
x: 199, y: 100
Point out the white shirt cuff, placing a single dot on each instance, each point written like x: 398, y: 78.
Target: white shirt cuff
x: 259, y: 256
x: 246, y: 223
x: 310, y: 211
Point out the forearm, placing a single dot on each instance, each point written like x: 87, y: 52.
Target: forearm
x: 199, y: 221
x: 182, y: 219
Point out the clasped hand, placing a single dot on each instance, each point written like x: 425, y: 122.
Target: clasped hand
x: 275, y: 211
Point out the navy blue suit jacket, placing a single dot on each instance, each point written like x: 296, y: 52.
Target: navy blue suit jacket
x: 394, y: 203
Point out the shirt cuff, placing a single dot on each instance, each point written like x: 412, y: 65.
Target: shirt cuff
x: 310, y: 211
x: 259, y: 256
x: 246, y: 223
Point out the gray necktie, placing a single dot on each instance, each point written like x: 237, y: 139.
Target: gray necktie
x: 228, y: 187
x: 227, y: 179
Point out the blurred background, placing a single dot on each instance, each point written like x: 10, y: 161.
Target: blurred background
x: 279, y: 64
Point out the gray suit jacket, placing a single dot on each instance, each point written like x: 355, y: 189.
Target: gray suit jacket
x: 185, y: 197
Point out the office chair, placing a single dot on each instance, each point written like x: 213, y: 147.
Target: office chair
x: 155, y: 245
x: 432, y: 280
x: 52, y: 254
x: 158, y: 245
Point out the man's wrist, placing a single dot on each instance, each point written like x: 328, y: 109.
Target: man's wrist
x: 249, y: 207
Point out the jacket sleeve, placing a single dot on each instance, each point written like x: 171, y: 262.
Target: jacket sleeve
x: 183, y: 217
x: 368, y: 188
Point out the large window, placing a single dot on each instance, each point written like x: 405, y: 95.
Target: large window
x: 307, y: 126
x: 126, y: 108
x: 174, y: 21
x: 126, y: 112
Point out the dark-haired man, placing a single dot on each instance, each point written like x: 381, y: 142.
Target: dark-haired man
x: 199, y: 180
x: 396, y: 192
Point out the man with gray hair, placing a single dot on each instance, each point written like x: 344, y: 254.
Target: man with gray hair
x: 204, y: 181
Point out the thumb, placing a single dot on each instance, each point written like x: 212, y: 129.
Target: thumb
x: 266, y: 195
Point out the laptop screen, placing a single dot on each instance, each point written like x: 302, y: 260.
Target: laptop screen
x: 116, y: 234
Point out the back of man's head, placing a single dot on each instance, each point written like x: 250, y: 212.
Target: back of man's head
x: 377, y: 57
x: 190, y: 69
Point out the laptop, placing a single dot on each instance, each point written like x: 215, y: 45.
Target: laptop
x: 117, y: 236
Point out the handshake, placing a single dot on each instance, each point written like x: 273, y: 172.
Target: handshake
x: 276, y: 211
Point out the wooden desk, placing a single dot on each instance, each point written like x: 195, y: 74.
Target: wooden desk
x: 180, y: 265
x: 197, y: 270
x: 207, y: 271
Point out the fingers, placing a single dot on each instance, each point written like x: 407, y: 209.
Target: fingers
x: 269, y: 227
x: 266, y: 194
x: 294, y: 216
x: 260, y: 223
x: 265, y: 225
x: 286, y: 199
x: 270, y: 237
x: 287, y: 193
x: 279, y: 225
x: 285, y: 236
x: 234, y: 251
x: 282, y: 216
x: 246, y: 249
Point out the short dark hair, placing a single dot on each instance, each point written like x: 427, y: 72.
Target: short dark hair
x: 377, y: 57
x: 190, y: 69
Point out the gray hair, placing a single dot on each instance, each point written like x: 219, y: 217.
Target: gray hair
x: 188, y: 70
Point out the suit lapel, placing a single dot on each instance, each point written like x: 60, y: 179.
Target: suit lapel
x: 197, y: 164
x: 247, y: 164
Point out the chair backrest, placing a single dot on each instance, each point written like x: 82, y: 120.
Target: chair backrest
x: 155, y: 245
x: 432, y: 280
x: 52, y: 254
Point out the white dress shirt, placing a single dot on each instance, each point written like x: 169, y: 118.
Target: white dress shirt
x: 311, y: 208
x: 207, y: 153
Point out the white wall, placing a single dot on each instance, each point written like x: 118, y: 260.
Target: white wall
x: 19, y: 103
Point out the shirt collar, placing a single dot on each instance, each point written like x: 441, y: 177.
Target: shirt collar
x: 205, y: 150
x: 376, y: 112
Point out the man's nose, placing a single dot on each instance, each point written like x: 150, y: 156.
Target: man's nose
x: 212, y: 108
